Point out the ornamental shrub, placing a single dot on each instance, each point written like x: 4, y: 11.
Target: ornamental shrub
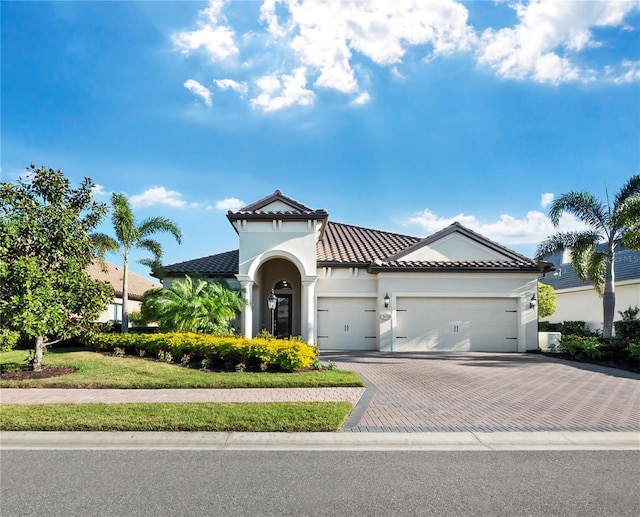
x: 579, y: 346
x: 255, y: 354
x: 634, y: 351
x: 628, y: 329
x: 577, y: 328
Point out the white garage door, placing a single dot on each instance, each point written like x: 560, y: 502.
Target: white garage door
x: 347, y: 323
x: 461, y: 324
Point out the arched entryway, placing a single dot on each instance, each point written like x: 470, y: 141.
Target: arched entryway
x: 283, y: 278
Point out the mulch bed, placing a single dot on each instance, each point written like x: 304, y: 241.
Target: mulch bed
x: 47, y: 371
x: 620, y: 364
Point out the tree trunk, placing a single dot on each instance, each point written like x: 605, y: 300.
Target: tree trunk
x: 125, y: 294
x: 609, y: 298
x: 37, y: 354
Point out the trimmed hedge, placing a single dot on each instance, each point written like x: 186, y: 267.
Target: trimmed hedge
x: 221, y: 352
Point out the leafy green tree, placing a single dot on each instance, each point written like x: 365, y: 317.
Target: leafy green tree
x: 192, y: 305
x: 546, y: 300
x: 46, y: 293
x: 611, y: 225
x: 129, y: 236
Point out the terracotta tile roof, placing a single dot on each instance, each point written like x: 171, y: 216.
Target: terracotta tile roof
x: 346, y: 244
x: 295, y: 209
x: 459, y: 265
x: 222, y: 264
x: 138, y: 285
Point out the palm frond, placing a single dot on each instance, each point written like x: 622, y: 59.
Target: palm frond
x: 584, y: 206
x: 630, y: 188
x: 626, y: 221
x: 566, y: 240
x: 154, y: 225
x: 103, y: 243
x: 124, y: 223
x: 155, y: 266
x: 596, y: 270
x: 153, y: 246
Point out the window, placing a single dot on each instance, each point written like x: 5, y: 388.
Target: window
x: 115, y: 312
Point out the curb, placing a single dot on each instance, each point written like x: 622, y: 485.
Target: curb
x: 470, y: 441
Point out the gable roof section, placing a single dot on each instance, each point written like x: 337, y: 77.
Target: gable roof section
x: 457, y: 228
x: 511, y: 261
x: 223, y: 265
x: 288, y: 208
x: 138, y: 285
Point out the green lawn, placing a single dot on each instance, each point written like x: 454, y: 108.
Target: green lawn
x: 96, y: 370
x: 262, y: 417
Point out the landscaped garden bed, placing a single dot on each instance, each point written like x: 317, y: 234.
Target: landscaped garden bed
x: 83, y: 368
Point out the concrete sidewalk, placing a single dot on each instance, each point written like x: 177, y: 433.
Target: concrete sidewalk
x: 114, y: 396
x: 17, y: 440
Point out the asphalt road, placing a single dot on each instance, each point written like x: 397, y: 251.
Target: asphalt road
x: 301, y: 483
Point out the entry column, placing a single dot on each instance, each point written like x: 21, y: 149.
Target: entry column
x: 308, y: 311
x: 247, y: 310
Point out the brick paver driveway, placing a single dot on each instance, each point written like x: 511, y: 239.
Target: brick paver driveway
x: 410, y: 392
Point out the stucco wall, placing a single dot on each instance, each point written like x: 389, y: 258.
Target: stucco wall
x: 584, y: 304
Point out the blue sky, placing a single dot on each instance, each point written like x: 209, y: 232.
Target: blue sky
x: 401, y: 116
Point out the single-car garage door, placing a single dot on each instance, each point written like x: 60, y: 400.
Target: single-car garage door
x: 346, y: 323
x: 461, y: 324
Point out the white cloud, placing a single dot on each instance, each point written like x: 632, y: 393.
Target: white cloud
x: 284, y: 91
x: 363, y: 98
x: 532, y: 229
x: 631, y: 75
x: 201, y: 91
x: 325, y: 35
x: 546, y: 199
x: 306, y: 45
x: 230, y: 84
x: 230, y: 203
x: 99, y: 191
x: 213, y: 34
x: 549, y: 34
x: 194, y: 205
x: 158, y: 196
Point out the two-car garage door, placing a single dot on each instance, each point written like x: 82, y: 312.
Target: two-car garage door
x: 459, y: 324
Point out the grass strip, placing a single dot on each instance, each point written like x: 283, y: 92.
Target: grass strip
x: 96, y: 370
x: 248, y: 417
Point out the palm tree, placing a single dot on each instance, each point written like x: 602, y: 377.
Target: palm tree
x: 195, y: 305
x: 608, y: 226
x: 129, y: 236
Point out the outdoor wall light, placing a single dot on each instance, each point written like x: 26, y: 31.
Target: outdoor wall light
x: 532, y: 304
x: 272, y: 300
x: 387, y: 300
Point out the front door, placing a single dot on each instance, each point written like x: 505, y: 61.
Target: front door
x: 283, y: 316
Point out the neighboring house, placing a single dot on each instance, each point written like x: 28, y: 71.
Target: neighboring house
x: 346, y: 287
x: 138, y: 285
x: 579, y: 301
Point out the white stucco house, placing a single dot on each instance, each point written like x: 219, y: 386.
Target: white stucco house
x: 345, y: 287
x: 579, y: 301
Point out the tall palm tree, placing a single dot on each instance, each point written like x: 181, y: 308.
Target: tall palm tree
x: 608, y: 226
x: 195, y: 305
x: 130, y: 236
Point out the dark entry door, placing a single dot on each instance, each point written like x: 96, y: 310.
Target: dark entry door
x: 283, y: 316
